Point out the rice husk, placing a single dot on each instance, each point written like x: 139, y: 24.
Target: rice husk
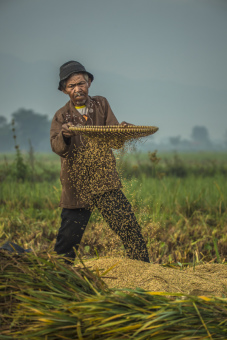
x: 206, y: 279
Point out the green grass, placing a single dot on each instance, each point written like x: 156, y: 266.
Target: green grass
x: 178, y: 215
x: 183, y: 215
x: 174, y: 196
x: 172, y: 164
x: 188, y: 157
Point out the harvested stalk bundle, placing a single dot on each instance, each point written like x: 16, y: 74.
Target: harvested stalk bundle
x: 52, y: 301
x: 24, y: 273
x: 129, y: 132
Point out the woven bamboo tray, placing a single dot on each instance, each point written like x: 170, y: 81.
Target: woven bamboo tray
x: 115, y: 131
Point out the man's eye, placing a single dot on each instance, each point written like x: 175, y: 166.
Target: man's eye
x: 79, y: 84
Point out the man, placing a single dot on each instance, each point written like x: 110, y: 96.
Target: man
x: 88, y: 173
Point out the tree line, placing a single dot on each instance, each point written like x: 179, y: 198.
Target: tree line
x: 33, y: 130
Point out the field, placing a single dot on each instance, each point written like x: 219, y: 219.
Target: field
x: 180, y: 201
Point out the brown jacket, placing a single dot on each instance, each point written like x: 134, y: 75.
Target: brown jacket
x: 86, y: 169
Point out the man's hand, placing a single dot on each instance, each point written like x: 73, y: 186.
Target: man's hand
x: 65, y: 130
x: 124, y: 124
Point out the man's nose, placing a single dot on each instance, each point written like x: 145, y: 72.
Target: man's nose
x: 77, y: 88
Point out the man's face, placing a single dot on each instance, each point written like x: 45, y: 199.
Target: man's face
x: 77, y: 89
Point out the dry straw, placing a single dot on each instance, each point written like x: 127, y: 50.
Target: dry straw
x: 41, y: 298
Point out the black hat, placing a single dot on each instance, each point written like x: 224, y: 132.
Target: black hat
x: 69, y: 68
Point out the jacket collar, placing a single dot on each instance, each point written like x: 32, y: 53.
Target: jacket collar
x: 76, y: 113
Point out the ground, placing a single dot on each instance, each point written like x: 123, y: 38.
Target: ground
x: 206, y: 279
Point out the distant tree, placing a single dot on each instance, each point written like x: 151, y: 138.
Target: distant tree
x: 175, y: 140
x: 6, y: 137
x: 3, y: 121
x: 200, y: 136
x: 225, y: 138
x: 34, y: 127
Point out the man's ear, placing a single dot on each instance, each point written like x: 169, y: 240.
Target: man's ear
x: 89, y: 82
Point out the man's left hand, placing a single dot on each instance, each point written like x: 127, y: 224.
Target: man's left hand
x: 124, y: 124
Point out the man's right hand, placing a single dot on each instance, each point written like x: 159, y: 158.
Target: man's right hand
x: 65, y: 130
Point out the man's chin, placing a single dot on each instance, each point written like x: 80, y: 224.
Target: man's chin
x: 80, y: 102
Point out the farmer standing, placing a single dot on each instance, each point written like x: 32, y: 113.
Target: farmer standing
x: 89, y: 178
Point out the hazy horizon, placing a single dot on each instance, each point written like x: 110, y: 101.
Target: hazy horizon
x: 158, y: 62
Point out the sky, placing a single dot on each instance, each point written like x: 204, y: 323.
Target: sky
x: 158, y: 62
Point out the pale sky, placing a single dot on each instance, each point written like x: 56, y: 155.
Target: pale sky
x: 158, y: 62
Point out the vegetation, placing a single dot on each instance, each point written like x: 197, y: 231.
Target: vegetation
x: 43, y: 299
x: 179, y: 200
x: 181, y: 204
x: 33, y: 127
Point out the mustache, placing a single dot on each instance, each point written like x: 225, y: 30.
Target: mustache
x: 78, y: 94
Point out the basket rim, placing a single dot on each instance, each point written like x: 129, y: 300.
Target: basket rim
x: 112, y: 127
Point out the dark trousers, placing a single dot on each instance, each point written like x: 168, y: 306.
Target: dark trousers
x: 117, y: 212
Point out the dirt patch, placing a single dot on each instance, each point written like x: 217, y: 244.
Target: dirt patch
x: 207, y: 279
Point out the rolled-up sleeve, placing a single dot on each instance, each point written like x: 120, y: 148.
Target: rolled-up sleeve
x: 58, y: 144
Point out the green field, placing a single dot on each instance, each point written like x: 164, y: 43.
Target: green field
x: 180, y: 201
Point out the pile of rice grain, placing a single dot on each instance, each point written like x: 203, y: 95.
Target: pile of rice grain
x: 206, y: 279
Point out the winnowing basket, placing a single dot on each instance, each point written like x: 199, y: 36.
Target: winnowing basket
x: 115, y: 131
